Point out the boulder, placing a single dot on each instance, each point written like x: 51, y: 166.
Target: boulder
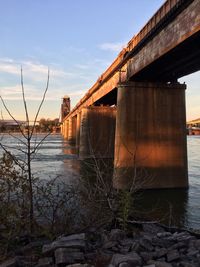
x: 64, y: 256
x: 131, y: 258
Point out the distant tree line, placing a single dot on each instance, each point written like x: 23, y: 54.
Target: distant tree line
x: 47, y: 125
x: 42, y: 126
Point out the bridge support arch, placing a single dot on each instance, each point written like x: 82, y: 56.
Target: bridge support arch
x: 150, y: 138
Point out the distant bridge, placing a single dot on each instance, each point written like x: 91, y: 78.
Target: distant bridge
x: 135, y: 112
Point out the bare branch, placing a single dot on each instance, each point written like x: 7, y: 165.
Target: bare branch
x: 39, y: 108
x: 24, y: 99
x: 21, y: 141
x: 40, y: 142
x: 13, y: 158
x: 15, y: 148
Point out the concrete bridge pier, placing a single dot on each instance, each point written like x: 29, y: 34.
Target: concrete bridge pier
x: 97, y: 132
x: 69, y: 130
x: 150, y: 139
x: 72, y: 130
x: 65, y: 129
x: 78, y: 124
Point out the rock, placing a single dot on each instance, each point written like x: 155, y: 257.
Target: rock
x: 19, y: 262
x: 161, y: 252
x: 124, y: 250
x: 131, y: 258
x: 164, y: 234
x: 188, y: 264
x: 45, y: 262
x: 160, y: 263
x: 197, y: 244
x: 146, y: 244
x: 79, y: 265
x: 147, y: 256
x: 64, y: 255
x: 125, y: 264
x: 183, y: 236
x: 192, y: 252
x: 166, y: 243
x: 76, y: 244
x: 72, y: 237
x: 152, y: 228
x: 135, y: 246
x: 127, y: 242
x: 117, y: 234
x: 109, y: 244
x: 172, y: 255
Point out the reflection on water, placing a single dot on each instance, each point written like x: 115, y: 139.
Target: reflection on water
x: 177, y: 207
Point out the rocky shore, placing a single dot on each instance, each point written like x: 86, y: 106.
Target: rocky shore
x: 147, y: 245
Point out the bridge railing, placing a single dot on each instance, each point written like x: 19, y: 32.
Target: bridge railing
x: 155, y: 19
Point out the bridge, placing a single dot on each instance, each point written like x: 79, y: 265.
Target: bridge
x: 135, y: 112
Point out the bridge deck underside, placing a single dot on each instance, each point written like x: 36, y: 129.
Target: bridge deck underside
x: 180, y: 61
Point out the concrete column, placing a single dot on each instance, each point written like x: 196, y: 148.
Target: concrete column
x: 72, y: 130
x: 78, y: 124
x: 97, y: 132
x: 150, y: 140
x: 74, y: 127
x: 69, y: 130
x: 66, y: 123
x: 61, y: 129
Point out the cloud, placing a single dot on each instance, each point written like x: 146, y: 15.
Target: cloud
x: 33, y: 70
x: 114, y: 47
x: 8, y: 67
x: 73, y: 83
x: 77, y: 93
x: 15, y: 92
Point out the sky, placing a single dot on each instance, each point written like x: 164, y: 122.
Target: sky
x: 77, y: 40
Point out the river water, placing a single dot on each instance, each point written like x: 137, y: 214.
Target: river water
x: 175, y: 207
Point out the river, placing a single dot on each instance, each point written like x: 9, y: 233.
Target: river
x: 175, y: 207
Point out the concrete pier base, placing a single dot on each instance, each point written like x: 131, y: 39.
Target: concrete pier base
x: 97, y: 132
x: 150, y: 140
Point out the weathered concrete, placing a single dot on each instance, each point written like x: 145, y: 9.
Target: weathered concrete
x: 78, y: 124
x: 97, y: 132
x: 150, y: 140
x: 69, y: 130
x: 74, y: 126
x: 65, y: 128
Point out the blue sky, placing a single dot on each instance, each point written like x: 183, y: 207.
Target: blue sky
x: 77, y: 40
